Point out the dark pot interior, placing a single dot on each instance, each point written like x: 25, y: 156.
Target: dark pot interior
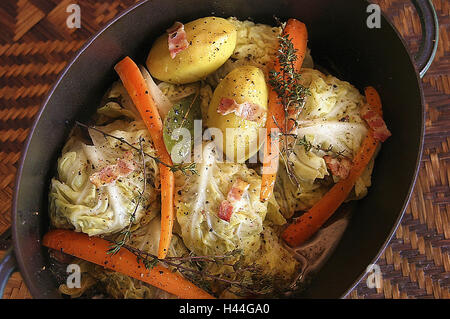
x: 340, y: 41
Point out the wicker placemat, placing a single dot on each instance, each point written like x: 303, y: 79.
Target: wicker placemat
x: 35, y: 45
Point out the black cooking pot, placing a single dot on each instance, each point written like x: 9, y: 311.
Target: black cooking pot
x: 341, y: 42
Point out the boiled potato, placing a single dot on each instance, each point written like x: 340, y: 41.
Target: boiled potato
x: 211, y: 43
x: 243, y: 84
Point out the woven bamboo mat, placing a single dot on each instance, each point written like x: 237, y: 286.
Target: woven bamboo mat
x: 35, y: 45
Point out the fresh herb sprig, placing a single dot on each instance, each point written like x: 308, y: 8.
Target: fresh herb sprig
x: 287, y: 84
x: 310, y: 146
x: 183, y: 168
x: 126, y: 233
x: 191, y: 267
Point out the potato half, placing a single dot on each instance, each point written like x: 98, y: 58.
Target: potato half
x: 241, y: 138
x: 211, y: 42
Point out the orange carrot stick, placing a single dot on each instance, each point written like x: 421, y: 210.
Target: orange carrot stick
x: 94, y: 250
x: 298, y: 35
x: 373, y: 99
x: 135, y: 84
x: 311, y: 221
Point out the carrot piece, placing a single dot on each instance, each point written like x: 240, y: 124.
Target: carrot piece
x: 135, y: 84
x: 167, y: 209
x: 311, y: 221
x: 373, y: 99
x: 94, y: 250
x: 299, y: 38
x: 298, y: 35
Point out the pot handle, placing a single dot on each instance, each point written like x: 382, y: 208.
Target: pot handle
x: 7, y: 267
x: 8, y: 264
x: 430, y: 35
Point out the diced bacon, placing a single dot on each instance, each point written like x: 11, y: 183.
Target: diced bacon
x: 111, y: 173
x: 105, y: 177
x: 177, y: 39
x: 376, y: 123
x: 225, y: 210
x: 234, y: 195
x: 126, y: 165
x: 227, y: 106
x: 338, y: 166
x: 237, y: 190
x: 248, y: 111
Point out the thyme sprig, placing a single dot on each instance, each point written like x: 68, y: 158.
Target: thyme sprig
x: 310, y: 146
x: 190, y: 267
x: 286, y: 82
x: 183, y: 168
x: 126, y: 233
x: 292, y: 94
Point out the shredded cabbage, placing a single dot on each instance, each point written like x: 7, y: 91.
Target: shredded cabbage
x: 310, y: 169
x: 176, y: 92
x: 331, y: 98
x: 117, y: 104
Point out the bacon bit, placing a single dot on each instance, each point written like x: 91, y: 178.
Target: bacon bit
x: 177, y: 39
x: 338, y: 166
x: 376, y: 123
x: 234, y: 195
x: 225, y: 210
x: 111, y: 173
x: 248, y: 111
x: 237, y: 190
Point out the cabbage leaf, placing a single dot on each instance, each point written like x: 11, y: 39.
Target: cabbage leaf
x: 76, y: 203
x: 330, y: 121
x: 197, y: 202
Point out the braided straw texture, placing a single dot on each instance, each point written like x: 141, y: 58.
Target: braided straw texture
x: 35, y: 45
